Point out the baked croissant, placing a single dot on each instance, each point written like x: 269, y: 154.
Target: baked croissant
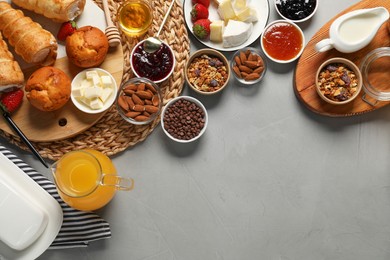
x: 10, y: 73
x: 33, y: 43
x: 57, y: 10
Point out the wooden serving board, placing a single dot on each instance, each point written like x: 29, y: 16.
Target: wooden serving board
x: 68, y: 121
x: 304, y: 76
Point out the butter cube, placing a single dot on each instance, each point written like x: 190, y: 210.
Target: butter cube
x: 78, y: 92
x: 91, y: 73
x: 96, y: 103
x: 225, y: 10
x: 92, y: 92
x: 216, y: 31
x: 106, y: 81
x: 86, y: 83
x: 84, y: 100
x: 96, y: 80
x: 239, y: 4
x: 106, y: 93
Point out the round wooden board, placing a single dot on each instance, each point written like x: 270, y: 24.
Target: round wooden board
x: 304, y: 76
x: 67, y: 121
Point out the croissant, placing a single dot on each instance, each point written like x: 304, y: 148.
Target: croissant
x: 33, y: 43
x: 57, y: 10
x: 10, y: 73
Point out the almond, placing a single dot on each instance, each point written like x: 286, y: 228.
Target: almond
x: 150, y: 87
x: 151, y: 109
x: 245, y: 69
x: 131, y: 86
x: 138, y: 108
x: 252, y: 76
x: 141, y: 87
x: 137, y: 100
x: 237, y: 71
x: 259, y: 70
x: 144, y: 94
x: 155, y: 100
x: 141, y: 118
x: 242, y: 56
x: 237, y: 60
x: 130, y: 102
x: 122, y: 103
x: 251, y: 64
x: 132, y: 114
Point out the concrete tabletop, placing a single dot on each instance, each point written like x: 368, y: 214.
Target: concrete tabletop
x: 268, y: 180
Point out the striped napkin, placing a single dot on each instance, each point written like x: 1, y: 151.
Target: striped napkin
x: 78, y: 227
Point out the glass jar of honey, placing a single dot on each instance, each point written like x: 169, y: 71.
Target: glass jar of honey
x: 135, y: 17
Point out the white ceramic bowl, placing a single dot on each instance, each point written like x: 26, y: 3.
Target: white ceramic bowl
x: 277, y: 5
x: 274, y: 25
x: 165, y: 114
x: 83, y: 107
x: 142, y: 74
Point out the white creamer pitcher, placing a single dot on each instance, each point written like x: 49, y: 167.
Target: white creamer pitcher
x: 354, y: 30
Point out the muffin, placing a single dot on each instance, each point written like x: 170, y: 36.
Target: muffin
x: 87, y: 47
x: 48, y: 88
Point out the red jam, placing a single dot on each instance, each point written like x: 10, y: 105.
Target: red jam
x: 154, y: 66
x: 282, y: 41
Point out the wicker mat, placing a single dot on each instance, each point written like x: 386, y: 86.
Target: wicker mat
x: 111, y: 134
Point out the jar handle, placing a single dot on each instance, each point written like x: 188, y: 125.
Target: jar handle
x: 120, y: 183
x: 364, y: 98
x: 324, y: 45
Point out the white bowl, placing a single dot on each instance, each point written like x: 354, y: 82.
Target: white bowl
x: 83, y: 107
x: 295, y: 20
x: 197, y: 103
x: 142, y: 75
x: 275, y: 23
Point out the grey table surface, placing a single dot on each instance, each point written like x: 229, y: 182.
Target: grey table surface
x: 268, y: 180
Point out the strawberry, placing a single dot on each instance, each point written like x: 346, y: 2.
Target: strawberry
x: 10, y: 101
x: 66, y: 29
x: 199, y: 11
x: 203, y: 2
x: 201, y: 28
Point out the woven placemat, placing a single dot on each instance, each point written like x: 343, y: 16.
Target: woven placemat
x: 111, y: 134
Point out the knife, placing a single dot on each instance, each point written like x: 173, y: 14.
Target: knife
x: 12, y: 124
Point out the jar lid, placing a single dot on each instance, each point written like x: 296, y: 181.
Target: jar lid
x: 375, y: 69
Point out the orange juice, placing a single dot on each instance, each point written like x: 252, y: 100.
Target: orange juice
x: 78, y: 176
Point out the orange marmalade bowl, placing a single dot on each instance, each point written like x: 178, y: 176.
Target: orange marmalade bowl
x: 135, y: 17
x: 282, y: 41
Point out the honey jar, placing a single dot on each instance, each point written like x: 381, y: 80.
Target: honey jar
x: 135, y: 17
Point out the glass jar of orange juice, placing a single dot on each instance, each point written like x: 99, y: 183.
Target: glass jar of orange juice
x: 87, y: 179
x: 135, y: 17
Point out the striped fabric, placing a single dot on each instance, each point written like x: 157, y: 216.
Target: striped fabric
x: 78, y: 228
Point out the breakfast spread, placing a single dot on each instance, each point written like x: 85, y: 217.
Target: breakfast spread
x: 48, y: 88
x: 87, y: 47
x: 94, y: 89
x: 135, y: 17
x: 296, y: 9
x: 58, y: 11
x: 11, y: 74
x: 33, y: 43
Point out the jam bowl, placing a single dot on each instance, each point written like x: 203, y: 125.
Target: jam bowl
x: 157, y: 66
x: 282, y: 41
x: 296, y: 11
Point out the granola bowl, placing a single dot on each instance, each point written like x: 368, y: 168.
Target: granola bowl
x: 338, y: 81
x: 207, y: 71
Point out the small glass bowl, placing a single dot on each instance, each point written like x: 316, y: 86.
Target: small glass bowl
x: 133, y: 119
x: 307, y: 17
x: 213, y: 54
x: 278, y: 23
x: 234, y: 65
x: 135, y: 17
x: 375, y: 69
x: 348, y: 64
x: 148, y: 58
x: 165, y: 114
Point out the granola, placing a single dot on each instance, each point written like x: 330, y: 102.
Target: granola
x: 207, y: 73
x: 337, y: 82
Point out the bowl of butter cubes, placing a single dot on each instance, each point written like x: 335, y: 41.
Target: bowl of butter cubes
x: 94, y: 90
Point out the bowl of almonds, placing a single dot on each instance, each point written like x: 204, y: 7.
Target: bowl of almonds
x: 139, y: 101
x: 248, y: 65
